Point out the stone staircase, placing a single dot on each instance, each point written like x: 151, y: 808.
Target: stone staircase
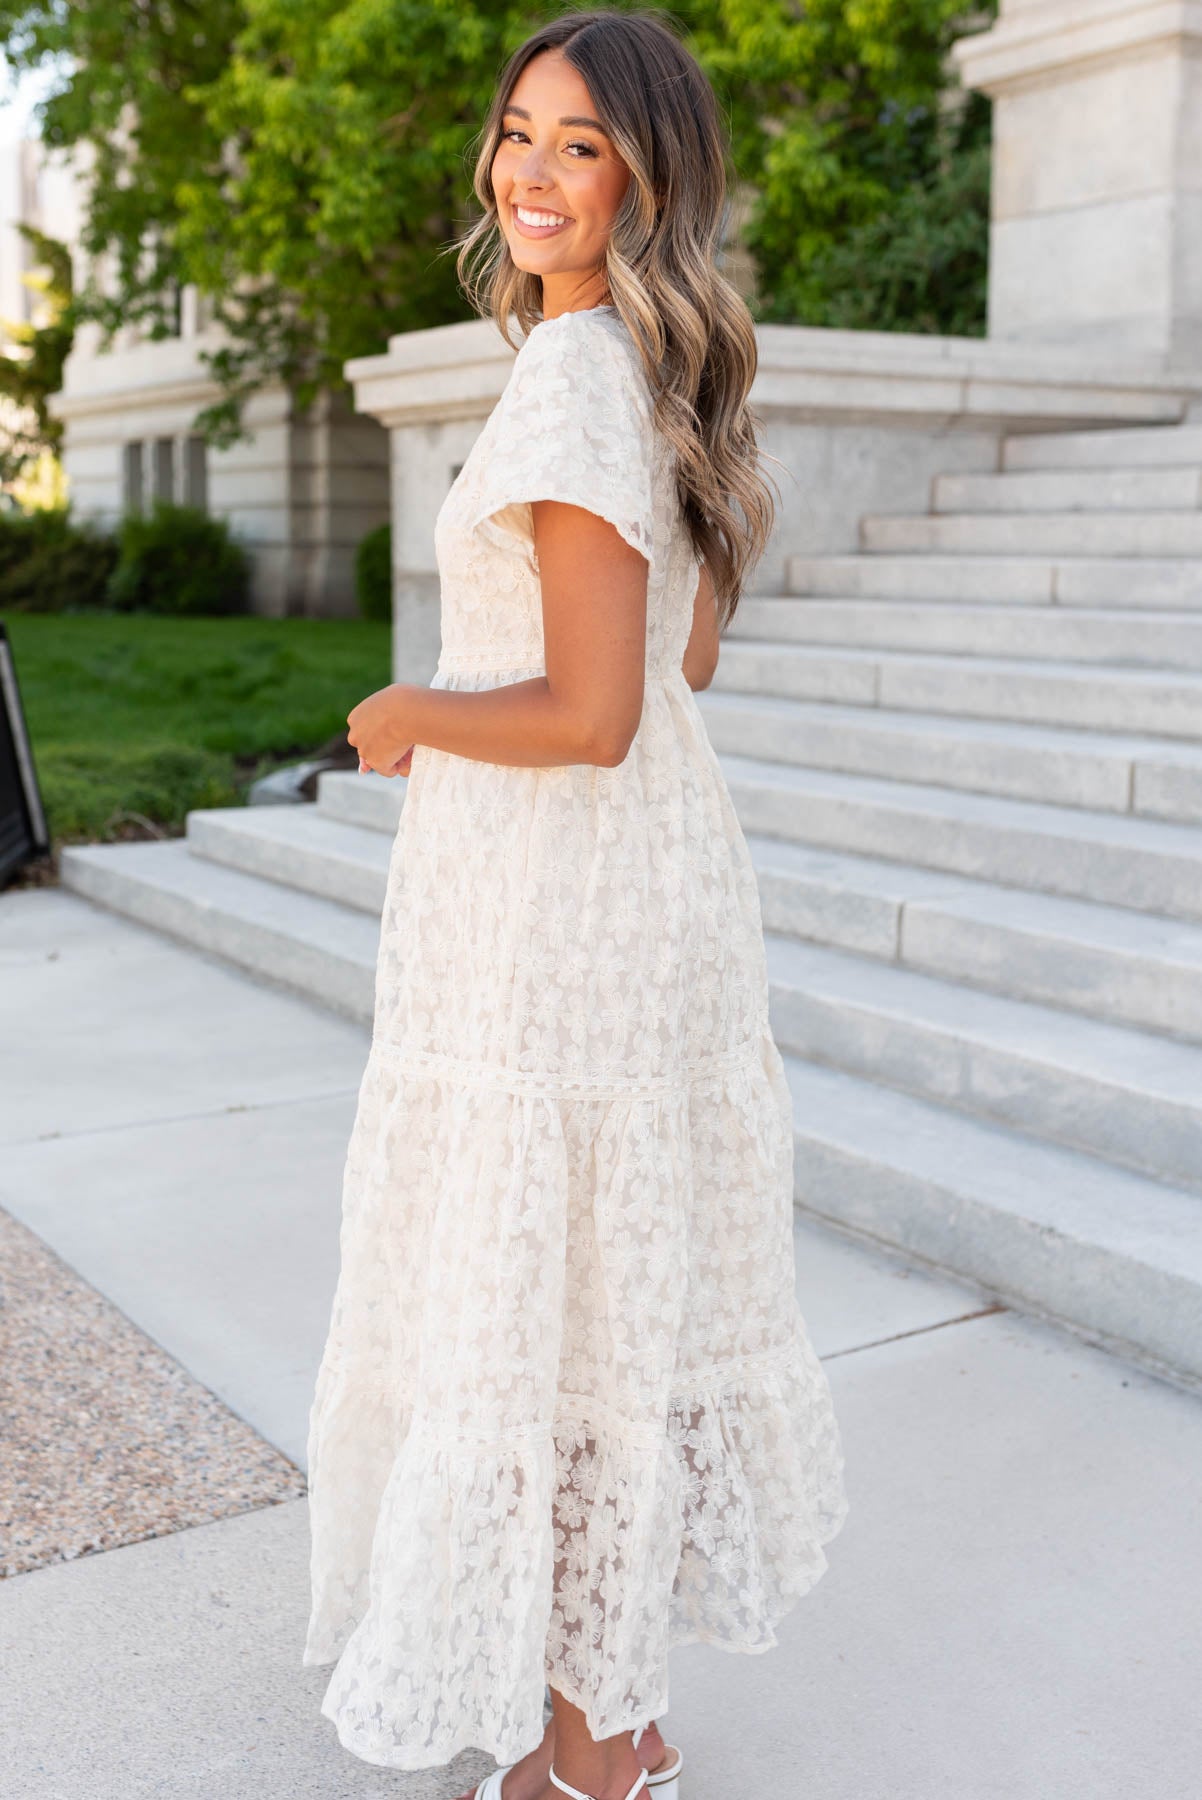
x: 968, y: 760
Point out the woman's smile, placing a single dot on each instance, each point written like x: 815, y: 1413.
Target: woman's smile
x: 538, y: 221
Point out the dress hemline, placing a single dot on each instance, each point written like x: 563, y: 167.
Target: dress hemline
x: 503, y: 1753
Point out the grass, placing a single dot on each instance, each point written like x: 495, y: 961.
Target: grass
x: 137, y: 719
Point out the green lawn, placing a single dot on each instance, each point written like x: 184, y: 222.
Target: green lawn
x: 135, y: 717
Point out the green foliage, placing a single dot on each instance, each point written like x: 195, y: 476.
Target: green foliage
x: 919, y: 266
x: 848, y: 124
x: 114, y: 62
x: 301, y: 161
x: 373, y: 574
x: 178, y: 559
x: 352, y: 121
x: 50, y: 564
x: 30, y: 377
x: 304, y: 162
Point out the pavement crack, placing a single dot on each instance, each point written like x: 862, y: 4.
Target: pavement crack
x: 981, y: 1312
x: 208, y: 1112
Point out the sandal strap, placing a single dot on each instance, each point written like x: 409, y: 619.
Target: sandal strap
x: 566, y: 1787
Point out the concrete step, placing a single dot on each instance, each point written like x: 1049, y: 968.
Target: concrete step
x: 1036, y: 534
x: 1070, y: 490
x: 1161, y: 703
x: 1128, y: 1096
x: 307, y: 944
x: 1111, y: 1253
x: 1160, y: 582
x: 1131, y: 446
x: 1137, y: 863
x: 1171, y: 640
x: 372, y: 801
x: 300, y: 847
x: 1104, y: 962
x: 983, y: 756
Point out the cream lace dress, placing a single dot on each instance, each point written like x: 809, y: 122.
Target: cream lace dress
x: 568, y: 1415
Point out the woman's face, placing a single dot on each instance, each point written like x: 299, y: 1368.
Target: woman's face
x: 558, y: 182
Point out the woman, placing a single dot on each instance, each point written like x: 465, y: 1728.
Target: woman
x: 568, y: 1414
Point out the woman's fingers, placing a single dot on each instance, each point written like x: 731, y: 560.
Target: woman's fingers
x: 400, y: 767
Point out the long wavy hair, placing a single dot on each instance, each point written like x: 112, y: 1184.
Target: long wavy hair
x: 693, y: 330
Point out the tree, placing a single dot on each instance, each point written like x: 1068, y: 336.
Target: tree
x: 300, y: 161
x: 868, y: 164
x: 28, y: 378
x: 122, y: 70
x: 303, y: 163
x: 348, y: 128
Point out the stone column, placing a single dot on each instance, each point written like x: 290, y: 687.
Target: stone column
x: 433, y: 390
x: 1096, y: 235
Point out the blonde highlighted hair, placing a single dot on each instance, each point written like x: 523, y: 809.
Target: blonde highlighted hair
x: 693, y: 329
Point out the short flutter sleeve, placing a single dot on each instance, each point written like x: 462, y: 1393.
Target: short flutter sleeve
x: 576, y: 425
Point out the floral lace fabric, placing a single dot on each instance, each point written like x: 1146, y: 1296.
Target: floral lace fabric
x: 568, y: 1415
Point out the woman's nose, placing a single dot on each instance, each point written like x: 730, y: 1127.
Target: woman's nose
x: 532, y: 167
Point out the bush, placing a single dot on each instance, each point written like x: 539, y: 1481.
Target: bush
x: 178, y: 560
x: 49, y: 564
x: 919, y: 267
x: 373, y: 574
x: 847, y: 123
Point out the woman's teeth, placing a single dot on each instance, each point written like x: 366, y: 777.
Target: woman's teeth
x: 535, y: 220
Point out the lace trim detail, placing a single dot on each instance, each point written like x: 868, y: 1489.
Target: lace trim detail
x: 497, y: 663
x: 547, y: 1084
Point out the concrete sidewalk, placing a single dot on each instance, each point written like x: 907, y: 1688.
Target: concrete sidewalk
x: 1009, y: 1614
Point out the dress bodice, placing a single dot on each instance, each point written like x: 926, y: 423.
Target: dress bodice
x: 574, y: 423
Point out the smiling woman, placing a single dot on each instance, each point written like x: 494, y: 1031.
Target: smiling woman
x: 569, y: 1415
x: 558, y: 181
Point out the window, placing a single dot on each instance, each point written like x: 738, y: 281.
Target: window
x: 196, y: 475
x: 163, y: 468
x: 131, y: 477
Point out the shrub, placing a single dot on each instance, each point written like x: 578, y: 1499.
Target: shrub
x: 50, y: 564
x: 373, y: 574
x: 178, y: 560
x: 847, y: 123
x: 920, y: 266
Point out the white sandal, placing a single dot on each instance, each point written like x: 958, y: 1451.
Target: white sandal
x: 490, y: 1787
x: 567, y: 1788
x: 666, y: 1782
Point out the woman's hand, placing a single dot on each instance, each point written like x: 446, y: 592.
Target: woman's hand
x: 376, y: 728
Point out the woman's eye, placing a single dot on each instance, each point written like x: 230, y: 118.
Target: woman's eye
x: 516, y: 132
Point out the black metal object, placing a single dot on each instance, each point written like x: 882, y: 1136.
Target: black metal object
x: 23, y: 832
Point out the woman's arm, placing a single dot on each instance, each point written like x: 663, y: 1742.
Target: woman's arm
x: 701, y: 651
x: 585, y: 709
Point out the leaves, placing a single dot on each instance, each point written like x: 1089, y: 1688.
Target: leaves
x: 864, y: 154
x: 307, y: 164
x: 28, y: 378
